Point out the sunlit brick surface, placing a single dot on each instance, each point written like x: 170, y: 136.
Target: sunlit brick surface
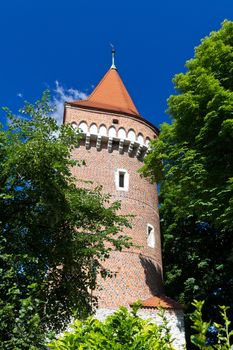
x: 137, y: 273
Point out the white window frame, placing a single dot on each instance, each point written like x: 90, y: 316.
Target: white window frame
x: 126, y: 179
x: 150, y: 236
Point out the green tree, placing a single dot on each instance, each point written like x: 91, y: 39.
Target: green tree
x: 122, y: 330
x: 201, y: 329
x: 53, y: 234
x: 193, y: 161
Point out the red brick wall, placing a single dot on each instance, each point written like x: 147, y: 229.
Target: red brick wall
x: 138, y: 271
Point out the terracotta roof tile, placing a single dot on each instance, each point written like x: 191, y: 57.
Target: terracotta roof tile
x: 161, y: 301
x: 110, y: 95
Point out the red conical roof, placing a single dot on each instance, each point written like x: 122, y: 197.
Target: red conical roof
x: 110, y: 95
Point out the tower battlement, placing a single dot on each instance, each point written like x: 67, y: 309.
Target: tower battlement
x: 130, y: 134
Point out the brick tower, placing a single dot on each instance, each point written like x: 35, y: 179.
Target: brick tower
x: 115, y: 141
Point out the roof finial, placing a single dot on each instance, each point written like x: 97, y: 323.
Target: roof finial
x: 113, y: 56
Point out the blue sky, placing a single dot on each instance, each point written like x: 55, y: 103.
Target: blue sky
x: 69, y: 42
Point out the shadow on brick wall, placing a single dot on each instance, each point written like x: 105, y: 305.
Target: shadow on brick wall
x: 153, y: 275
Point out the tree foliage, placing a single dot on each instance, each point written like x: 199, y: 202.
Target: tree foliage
x: 222, y: 331
x: 121, y: 330
x: 193, y: 161
x: 53, y: 234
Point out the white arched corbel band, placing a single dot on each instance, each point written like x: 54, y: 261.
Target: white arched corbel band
x: 127, y: 140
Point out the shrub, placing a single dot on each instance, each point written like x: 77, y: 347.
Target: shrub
x: 223, y: 333
x: 122, y: 330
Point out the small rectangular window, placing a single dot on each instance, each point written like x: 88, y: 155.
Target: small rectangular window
x: 121, y: 180
x: 150, y: 236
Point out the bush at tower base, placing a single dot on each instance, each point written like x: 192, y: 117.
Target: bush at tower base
x: 121, y: 330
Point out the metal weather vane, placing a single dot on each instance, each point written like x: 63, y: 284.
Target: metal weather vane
x: 113, y: 56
